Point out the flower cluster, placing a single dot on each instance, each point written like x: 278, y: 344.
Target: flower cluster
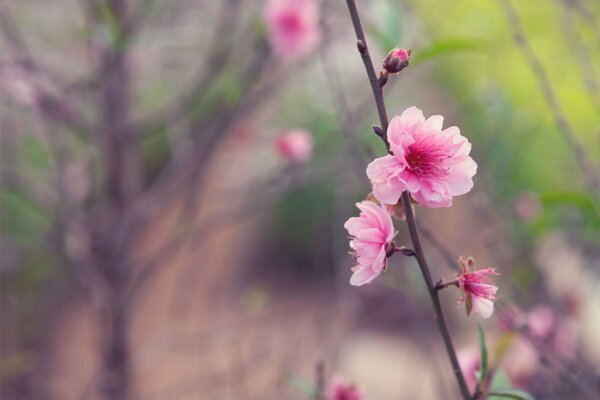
x: 433, y: 165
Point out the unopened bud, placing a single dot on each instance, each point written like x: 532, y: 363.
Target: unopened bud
x: 396, y: 60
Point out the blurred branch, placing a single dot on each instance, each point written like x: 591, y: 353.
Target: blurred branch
x: 55, y: 108
x: 585, y: 58
x: 220, y: 50
x: 590, y: 172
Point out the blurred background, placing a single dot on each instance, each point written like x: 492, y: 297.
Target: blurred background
x: 176, y: 176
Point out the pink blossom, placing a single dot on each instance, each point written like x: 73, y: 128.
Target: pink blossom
x: 470, y: 365
x: 340, y: 389
x: 295, y: 145
x: 432, y: 164
x: 372, y: 233
x: 479, y: 293
x: 541, y: 322
x: 528, y: 206
x: 293, y: 27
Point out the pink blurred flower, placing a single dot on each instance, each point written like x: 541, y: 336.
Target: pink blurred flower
x: 19, y: 85
x: 340, y: 389
x: 431, y: 163
x: 295, y: 145
x: 541, y: 322
x: 470, y: 365
x: 527, y: 206
x: 479, y: 293
x: 372, y: 233
x: 293, y: 27
x: 396, y: 60
x: 522, y: 363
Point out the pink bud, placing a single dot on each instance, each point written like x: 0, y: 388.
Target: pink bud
x: 396, y: 60
x: 295, y: 145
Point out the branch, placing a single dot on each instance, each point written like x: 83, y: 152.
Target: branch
x: 410, y: 218
x: 589, y: 171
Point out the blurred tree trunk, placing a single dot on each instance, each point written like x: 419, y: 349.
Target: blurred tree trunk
x: 122, y: 184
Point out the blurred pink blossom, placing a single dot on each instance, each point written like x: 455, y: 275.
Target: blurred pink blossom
x: 295, y: 145
x: 340, y: 389
x: 373, y: 232
x: 432, y: 164
x: 470, y: 365
x: 18, y: 85
x: 527, y: 206
x: 293, y: 27
x: 479, y: 293
x: 541, y: 322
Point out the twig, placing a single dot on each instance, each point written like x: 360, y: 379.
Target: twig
x: 410, y: 218
x: 589, y: 171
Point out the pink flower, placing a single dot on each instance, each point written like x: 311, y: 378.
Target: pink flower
x: 470, y: 365
x: 396, y: 60
x: 431, y: 163
x: 293, y: 27
x: 373, y: 232
x: 295, y: 145
x: 479, y: 293
x: 541, y: 322
x: 340, y: 389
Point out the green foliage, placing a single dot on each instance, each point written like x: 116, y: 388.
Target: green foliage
x: 447, y: 46
x: 303, y: 385
x: 511, y: 393
x: 22, y: 219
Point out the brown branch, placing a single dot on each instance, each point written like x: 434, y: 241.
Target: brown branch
x: 410, y: 218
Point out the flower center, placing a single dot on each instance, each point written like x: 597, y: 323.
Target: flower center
x: 426, y: 161
x: 290, y: 23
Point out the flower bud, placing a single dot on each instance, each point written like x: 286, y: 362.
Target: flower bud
x: 396, y: 60
x: 295, y: 146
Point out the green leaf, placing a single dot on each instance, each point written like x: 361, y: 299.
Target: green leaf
x: 510, y: 393
x: 21, y: 218
x: 446, y: 46
x: 483, y: 353
x: 301, y: 384
x: 501, y: 380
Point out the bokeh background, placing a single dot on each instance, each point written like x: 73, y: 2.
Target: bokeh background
x: 157, y: 243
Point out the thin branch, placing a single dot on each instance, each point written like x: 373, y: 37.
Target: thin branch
x: 410, y: 218
x: 588, y: 170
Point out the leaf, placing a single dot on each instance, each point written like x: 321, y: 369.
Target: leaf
x: 583, y: 201
x: 301, y: 384
x: 446, y: 46
x: 510, y: 393
x: 483, y: 353
x: 500, y: 381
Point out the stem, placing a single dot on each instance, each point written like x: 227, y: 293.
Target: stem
x: 410, y: 218
x: 373, y: 80
x: 440, y: 319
